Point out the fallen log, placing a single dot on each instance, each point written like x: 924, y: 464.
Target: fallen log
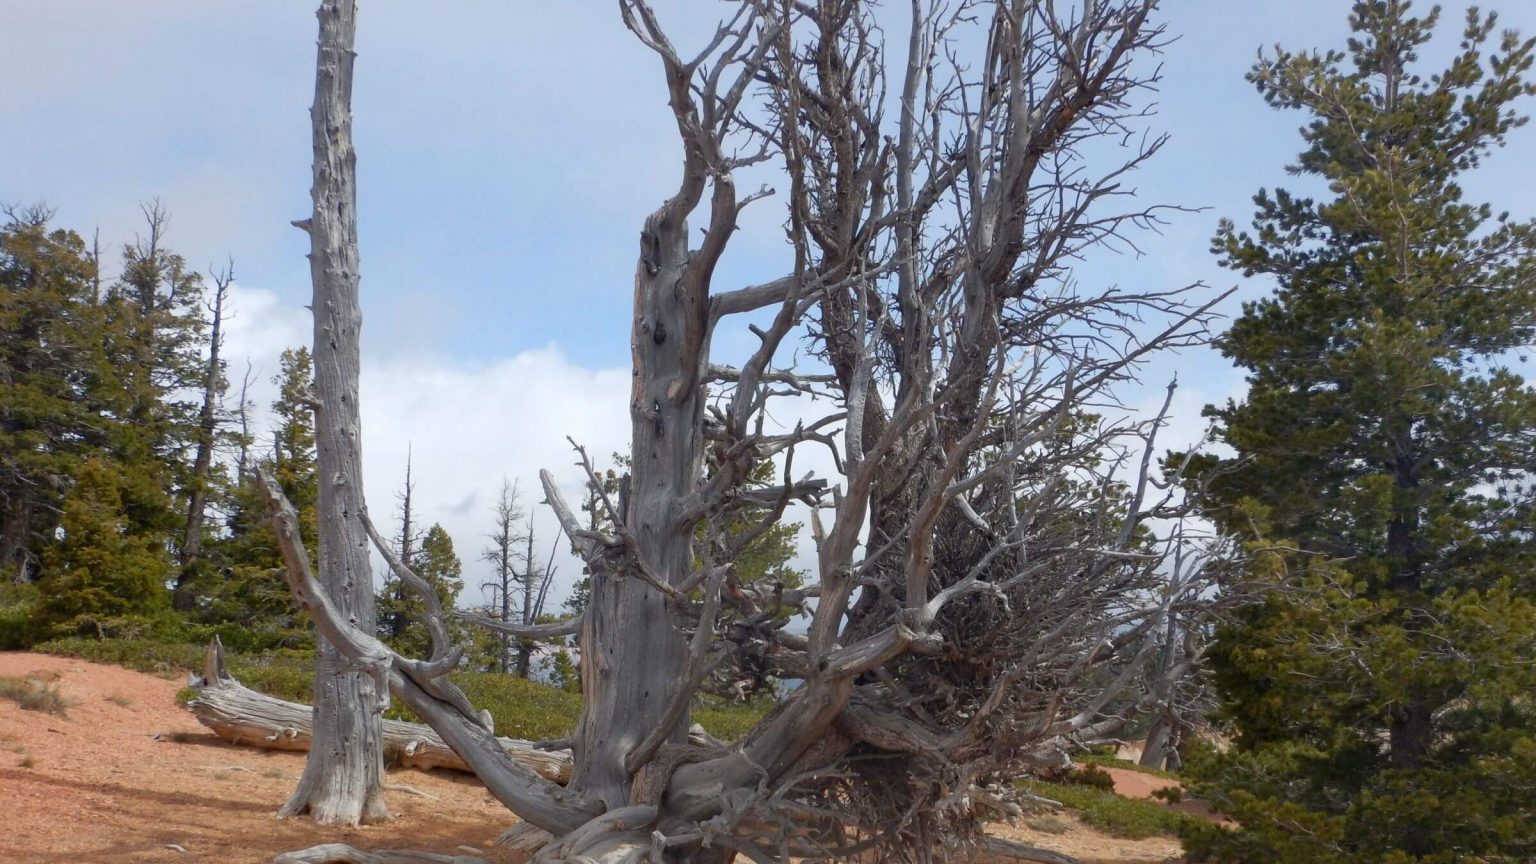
x: 242, y: 716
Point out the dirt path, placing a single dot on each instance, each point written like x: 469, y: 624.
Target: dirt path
x: 129, y: 777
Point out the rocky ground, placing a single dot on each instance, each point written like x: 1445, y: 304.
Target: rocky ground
x: 126, y: 775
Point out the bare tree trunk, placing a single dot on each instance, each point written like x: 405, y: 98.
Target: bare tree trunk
x: 343, y: 777
x: 394, y: 626
x: 207, y: 431
x: 525, y: 646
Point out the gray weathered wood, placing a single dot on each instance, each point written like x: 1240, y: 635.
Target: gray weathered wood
x: 342, y: 782
x: 243, y: 716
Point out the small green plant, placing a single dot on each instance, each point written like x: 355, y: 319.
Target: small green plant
x: 274, y: 773
x: 26, y: 761
x: 34, y: 695
x: 1170, y: 794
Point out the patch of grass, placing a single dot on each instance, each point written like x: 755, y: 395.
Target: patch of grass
x: 1130, y: 818
x: 34, y: 695
x: 274, y: 773
x: 223, y: 775
x: 120, y: 700
x: 1117, y: 762
x: 1047, y: 825
x: 26, y: 761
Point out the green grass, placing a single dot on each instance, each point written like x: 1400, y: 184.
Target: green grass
x: 521, y: 709
x: 1116, y: 762
x: 1131, y: 818
x: 34, y: 695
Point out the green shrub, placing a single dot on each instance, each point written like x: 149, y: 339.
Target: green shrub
x: 1111, y: 761
x: 17, y: 605
x: 1113, y: 814
x: 1091, y: 775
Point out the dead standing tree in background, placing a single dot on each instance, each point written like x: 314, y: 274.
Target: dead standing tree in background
x: 987, y: 575
x: 342, y: 783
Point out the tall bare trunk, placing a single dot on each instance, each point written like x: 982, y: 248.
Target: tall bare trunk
x: 343, y: 777
x: 207, y: 431
x: 632, y: 657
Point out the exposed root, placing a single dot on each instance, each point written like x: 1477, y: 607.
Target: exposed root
x: 338, y: 853
x: 410, y: 790
x: 524, y: 837
x: 998, y: 847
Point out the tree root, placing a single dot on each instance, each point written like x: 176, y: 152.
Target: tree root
x: 997, y: 847
x: 339, y: 853
x: 410, y: 790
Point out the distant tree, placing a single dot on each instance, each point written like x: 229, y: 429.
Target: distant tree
x: 47, y: 324
x: 437, y: 563
x: 101, y: 568
x: 150, y: 363
x: 519, y: 585
x: 246, y: 584
x: 206, y: 436
x: 1380, y: 701
x: 501, y: 589
x: 394, y: 602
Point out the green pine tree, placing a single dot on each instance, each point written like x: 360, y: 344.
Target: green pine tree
x: 101, y: 570
x: 146, y: 377
x: 246, y: 586
x: 1381, y: 703
x: 437, y: 563
x: 47, y: 323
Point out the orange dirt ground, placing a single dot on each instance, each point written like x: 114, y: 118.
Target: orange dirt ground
x: 129, y: 777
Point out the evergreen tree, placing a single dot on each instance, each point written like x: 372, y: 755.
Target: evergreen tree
x: 1381, y: 702
x: 101, y: 570
x: 248, y: 586
x: 437, y: 564
x: 148, y: 368
x: 47, y: 322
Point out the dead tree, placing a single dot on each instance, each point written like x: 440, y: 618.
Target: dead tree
x: 394, y: 621
x: 989, y: 557
x: 342, y: 782
x: 502, y: 555
x: 214, y: 385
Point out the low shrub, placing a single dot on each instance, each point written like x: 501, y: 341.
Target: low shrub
x: 34, y: 695
x: 1092, y: 758
x: 1113, y: 814
x: 1091, y: 775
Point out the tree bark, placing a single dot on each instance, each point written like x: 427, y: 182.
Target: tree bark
x: 343, y: 777
x: 633, y: 658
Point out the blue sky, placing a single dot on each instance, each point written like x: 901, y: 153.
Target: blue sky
x: 507, y: 154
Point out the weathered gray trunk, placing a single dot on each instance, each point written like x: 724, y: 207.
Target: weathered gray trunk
x: 632, y: 656
x: 343, y: 777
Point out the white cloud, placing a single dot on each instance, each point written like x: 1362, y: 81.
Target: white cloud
x: 467, y: 426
